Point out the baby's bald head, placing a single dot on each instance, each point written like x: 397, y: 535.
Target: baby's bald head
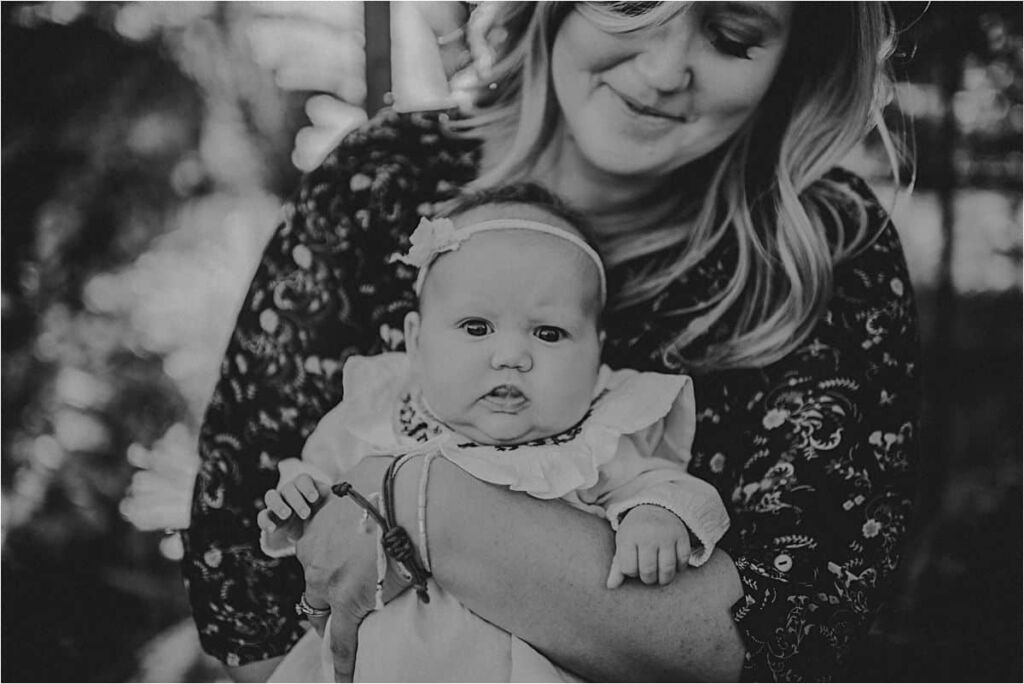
x: 530, y: 202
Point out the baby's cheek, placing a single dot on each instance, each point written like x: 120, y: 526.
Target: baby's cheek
x: 576, y: 404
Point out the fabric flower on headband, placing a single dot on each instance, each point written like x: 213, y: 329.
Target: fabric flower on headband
x: 431, y: 237
x: 437, y: 236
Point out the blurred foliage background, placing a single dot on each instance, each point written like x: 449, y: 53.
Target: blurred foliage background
x: 146, y: 149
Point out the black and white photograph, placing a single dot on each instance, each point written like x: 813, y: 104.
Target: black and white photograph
x: 437, y: 341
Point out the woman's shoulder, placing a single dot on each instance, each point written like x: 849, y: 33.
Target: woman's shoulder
x: 383, y: 176
x: 870, y: 321
x: 876, y: 269
x: 852, y: 205
x: 352, y: 213
x: 400, y: 151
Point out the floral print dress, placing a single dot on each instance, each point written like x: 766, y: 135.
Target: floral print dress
x: 814, y: 455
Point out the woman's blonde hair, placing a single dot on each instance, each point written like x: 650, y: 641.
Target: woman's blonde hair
x: 766, y: 186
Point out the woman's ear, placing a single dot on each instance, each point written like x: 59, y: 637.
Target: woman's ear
x: 412, y: 332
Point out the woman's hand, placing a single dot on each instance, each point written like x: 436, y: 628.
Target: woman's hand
x: 338, y: 552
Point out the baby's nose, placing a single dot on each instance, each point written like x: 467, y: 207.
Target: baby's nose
x: 512, y: 352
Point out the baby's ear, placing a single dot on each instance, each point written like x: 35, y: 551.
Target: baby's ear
x: 412, y: 332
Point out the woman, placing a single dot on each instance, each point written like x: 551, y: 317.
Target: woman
x: 700, y: 141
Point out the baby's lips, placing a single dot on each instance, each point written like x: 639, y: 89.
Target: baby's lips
x: 507, y: 392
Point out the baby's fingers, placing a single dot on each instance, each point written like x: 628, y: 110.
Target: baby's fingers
x: 307, y: 487
x: 276, y: 504
x: 264, y: 521
x: 683, y: 551
x: 625, y: 561
x: 615, y: 576
x: 668, y: 562
x: 647, y: 564
x: 296, y: 499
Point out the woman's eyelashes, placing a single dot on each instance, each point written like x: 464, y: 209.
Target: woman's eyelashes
x: 631, y: 9
x: 729, y: 43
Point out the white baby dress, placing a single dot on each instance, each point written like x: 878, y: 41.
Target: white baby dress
x: 632, y: 448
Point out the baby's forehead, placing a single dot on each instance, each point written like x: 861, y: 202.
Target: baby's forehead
x: 515, y: 210
x: 495, y: 252
x: 491, y: 263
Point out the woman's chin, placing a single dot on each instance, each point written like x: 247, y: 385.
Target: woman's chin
x: 631, y: 162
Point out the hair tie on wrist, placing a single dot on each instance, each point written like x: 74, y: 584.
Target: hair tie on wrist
x: 421, y: 510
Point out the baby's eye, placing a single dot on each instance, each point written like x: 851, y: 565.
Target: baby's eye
x: 476, y: 327
x: 549, y: 333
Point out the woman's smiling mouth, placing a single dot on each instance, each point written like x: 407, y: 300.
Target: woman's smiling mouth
x: 641, y: 109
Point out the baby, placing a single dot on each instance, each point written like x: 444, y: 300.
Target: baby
x: 502, y: 376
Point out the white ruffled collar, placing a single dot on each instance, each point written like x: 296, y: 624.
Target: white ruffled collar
x: 625, y: 402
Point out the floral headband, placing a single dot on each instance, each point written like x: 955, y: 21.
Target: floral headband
x: 434, y: 237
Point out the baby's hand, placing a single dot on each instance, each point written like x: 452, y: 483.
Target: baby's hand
x: 301, y: 495
x: 652, y: 542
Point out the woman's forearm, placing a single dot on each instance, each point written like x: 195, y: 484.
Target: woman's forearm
x: 538, y: 569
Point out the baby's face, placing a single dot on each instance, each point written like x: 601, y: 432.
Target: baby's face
x: 506, y: 346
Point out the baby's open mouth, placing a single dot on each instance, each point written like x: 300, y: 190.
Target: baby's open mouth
x: 506, y: 397
x: 506, y: 392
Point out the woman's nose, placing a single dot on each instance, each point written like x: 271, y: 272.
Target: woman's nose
x: 511, y: 352
x: 664, y: 61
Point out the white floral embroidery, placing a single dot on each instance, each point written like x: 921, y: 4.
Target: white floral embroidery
x: 360, y: 181
x: 717, y: 464
x: 774, y: 418
x: 268, y: 320
x: 213, y: 557
x: 303, y: 257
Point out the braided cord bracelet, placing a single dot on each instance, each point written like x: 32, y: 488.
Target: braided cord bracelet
x: 394, y: 540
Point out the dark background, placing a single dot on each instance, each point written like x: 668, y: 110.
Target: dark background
x: 146, y: 148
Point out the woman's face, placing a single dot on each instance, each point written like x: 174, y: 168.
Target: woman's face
x: 645, y: 103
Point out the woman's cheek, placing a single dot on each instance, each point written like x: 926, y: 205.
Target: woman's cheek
x: 732, y: 96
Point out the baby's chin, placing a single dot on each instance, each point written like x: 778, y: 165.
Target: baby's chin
x: 502, y: 433
x: 493, y: 437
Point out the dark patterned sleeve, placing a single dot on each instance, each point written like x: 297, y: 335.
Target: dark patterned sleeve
x: 821, y: 507
x: 324, y: 290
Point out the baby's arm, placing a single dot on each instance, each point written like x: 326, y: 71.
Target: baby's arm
x: 691, y: 508
x: 651, y: 543
x: 632, y: 489
x: 288, y: 506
